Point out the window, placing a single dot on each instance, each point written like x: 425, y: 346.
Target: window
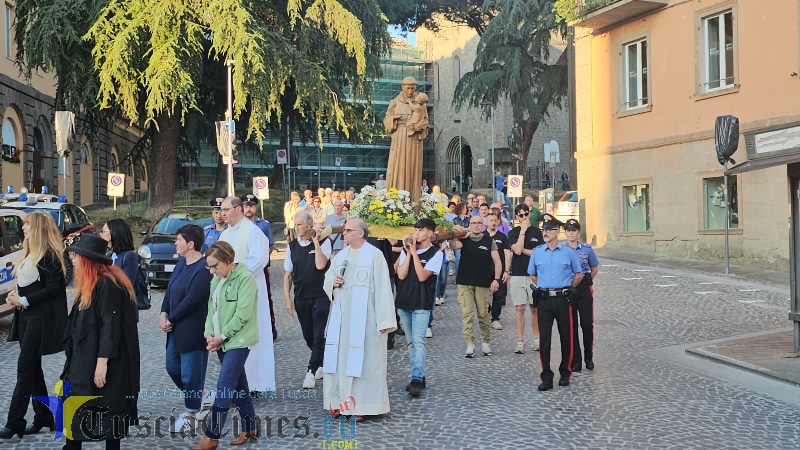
x: 635, y: 75
x: 715, y: 202
x: 717, y: 51
x: 637, y: 208
x: 10, y: 152
x: 8, y: 30
x: 13, y: 238
x: 83, y: 155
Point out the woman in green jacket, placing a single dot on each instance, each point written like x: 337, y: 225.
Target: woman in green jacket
x: 231, y: 329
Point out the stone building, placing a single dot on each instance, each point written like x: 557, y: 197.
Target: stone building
x: 465, y: 147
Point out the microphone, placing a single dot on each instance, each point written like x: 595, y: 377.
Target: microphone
x: 342, y: 269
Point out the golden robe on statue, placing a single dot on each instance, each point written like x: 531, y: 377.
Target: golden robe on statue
x: 404, y: 171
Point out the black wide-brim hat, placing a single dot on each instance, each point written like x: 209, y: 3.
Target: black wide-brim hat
x: 91, y: 246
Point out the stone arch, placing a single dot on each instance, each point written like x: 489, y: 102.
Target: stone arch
x: 113, y: 160
x: 84, y: 180
x: 42, y: 166
x: 458, y: 161
x: 13, y: 136
x: 141, y: 178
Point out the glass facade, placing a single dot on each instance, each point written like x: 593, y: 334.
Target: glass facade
x: 358, y: 164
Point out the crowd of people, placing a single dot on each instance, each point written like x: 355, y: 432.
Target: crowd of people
x: 351, y: 293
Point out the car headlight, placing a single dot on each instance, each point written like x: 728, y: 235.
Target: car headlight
x: 144, y: 252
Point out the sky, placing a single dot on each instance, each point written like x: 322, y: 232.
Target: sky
x: 397, y: 33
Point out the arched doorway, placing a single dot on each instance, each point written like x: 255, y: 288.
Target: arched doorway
x: 458, y: 162
x: 12, y: 146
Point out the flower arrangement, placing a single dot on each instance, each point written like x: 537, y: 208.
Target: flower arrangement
x: 394, y: 207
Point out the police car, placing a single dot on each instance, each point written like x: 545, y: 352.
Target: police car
x: 70, y: 219
x: 10, y: 250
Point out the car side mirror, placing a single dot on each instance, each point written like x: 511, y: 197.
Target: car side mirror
x: 143, y: 231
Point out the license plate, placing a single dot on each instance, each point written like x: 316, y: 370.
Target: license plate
x: 169, y: 267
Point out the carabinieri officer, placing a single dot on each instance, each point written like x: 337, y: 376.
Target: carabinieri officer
x: 583, y: 308
x: 556, y: 270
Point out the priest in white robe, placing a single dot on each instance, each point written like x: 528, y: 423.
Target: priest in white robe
x: 252, y: 250
x: 362, y: 314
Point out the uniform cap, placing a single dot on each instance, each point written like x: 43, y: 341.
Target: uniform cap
x: 217, y: 202
x: 249, y: 198
x: 572, y: 224
x: 550, y: 223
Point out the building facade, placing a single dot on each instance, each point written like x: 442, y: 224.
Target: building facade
x: 651, y: 77
x: 29, y: 157
x: 463, y: 139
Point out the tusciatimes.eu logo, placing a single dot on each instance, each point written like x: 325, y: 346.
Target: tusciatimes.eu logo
x: 63, y: 406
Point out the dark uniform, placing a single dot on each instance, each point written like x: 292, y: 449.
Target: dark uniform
x: 583, y: 307
x: 555, y: 270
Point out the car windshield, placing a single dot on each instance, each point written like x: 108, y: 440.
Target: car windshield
x: 170, y: 223
x: 54, y: 213
x: 570, y: 196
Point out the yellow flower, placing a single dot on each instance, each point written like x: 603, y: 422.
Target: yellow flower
x: 396, y: 216
x: 372, y: 207
x: 380, y: 211
x: 388, y: 216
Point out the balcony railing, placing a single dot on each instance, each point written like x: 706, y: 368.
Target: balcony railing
x: 604, y: 13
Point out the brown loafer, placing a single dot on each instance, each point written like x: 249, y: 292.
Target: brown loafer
x: 206, y: 444
x: 244, y: 437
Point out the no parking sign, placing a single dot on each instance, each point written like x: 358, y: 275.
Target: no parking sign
x: 261, y: 188
x: 515, y: 186
x: 116, y: 184
x: 282, y: 158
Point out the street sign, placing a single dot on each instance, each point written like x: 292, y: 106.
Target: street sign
x: 282, y: 156
x: 116, y: 184
x: 338, y: 162
x: 261, y: 188
x: 515, y: 186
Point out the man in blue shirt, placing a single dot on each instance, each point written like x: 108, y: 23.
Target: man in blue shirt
x: 213, y: 231
x: 556, y: 271
x: 583, y: 308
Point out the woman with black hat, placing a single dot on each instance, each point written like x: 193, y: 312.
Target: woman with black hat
x: 102, y: 347
x: 39, y: 320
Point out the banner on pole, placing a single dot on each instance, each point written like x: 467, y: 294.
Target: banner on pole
x: 65, y: 127
x: 515, y: 186
x: 261, y: 188
x: 116, y: 184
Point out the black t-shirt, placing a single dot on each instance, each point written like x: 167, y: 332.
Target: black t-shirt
x: 502, y: 244
x: 519, y: 263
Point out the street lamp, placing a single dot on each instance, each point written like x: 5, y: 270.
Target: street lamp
x: 494, y: 188
x: 460, y: 158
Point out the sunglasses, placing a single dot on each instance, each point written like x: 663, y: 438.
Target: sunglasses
x: 524, y: 215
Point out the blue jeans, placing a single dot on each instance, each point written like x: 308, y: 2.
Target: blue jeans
x: 188, y: 372
x: 232, y: 388
x: 458, y: 259
x: 441, y: 280
x: 415, y: 323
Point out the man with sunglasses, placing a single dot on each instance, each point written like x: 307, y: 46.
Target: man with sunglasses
x: 523, y: 240
x: 556, y: 270
x: 479, y: 274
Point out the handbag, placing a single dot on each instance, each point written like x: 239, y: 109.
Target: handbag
x: 449, y: 254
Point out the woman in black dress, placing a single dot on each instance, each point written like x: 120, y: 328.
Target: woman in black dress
x: 39, y: 320
x: 102, y: 347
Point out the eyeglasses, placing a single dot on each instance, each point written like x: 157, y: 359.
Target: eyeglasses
x: 225, y: 209
x: 212, y: 266
x: 476, y: 223
x: 349, y: 229
x: 524, y: 215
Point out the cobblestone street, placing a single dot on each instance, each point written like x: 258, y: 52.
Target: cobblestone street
x: 644, y: 393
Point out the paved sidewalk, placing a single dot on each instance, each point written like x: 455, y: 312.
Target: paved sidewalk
x: 769, y: 353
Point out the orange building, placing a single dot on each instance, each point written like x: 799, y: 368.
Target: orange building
x: 650, y: 78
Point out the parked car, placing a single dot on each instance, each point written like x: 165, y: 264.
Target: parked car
x: 10, y: 250
x: 70, y: 219
x: 567, y: 207
x: 158, y: 247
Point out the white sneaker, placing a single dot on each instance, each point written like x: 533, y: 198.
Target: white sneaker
x: 520, y: 348
x: 208, y: 399
x: 309, y: 382
x: 497, y: 325
x: 439, y: 301
x: 486, y: 349
x: 428, y: 333
x: 451, y: 272
x: 184, y: 422
x: 535, y: 345
x: 318, y: 375
x: 470, y: 351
